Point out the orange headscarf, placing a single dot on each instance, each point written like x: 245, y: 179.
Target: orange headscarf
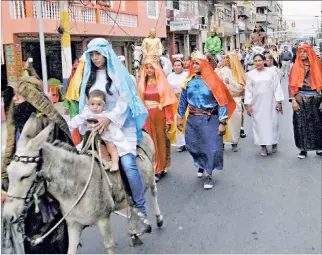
x: 236, y: 68
x: 215, y: 84
x: 297, y: 73
x: 167, y: 95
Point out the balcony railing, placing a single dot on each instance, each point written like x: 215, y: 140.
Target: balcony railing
x: 77, y: 13
x: 50, y: 10
x: 17, y: 9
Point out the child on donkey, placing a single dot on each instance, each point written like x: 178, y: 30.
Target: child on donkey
x: 83, y: 121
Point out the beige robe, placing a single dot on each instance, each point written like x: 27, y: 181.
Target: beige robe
x: 234, y: 123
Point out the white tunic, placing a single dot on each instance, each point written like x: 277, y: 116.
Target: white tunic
x: 263, y: 91
x: 234, y: 123
x: 118, y: 112
x: 113, y: 134
x: 176, y: 80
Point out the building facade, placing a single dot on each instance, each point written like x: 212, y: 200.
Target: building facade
x: 186, y: 26
x: 122, y: 23
x: 246, y: 21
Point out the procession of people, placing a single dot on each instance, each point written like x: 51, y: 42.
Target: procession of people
x: 198, y: 108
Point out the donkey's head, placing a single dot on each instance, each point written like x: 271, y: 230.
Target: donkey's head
x: 137, y: 56
x: 24, y: 170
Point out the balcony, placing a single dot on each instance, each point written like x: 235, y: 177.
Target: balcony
x: 264, y: 4
x: 89, y: 14
x: 243, y: 12
x: 263, y: 18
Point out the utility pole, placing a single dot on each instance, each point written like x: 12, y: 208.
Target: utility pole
x: 210, y: 9
x: 42, y: 47
x: 66, y: 53
x: 266, y: 18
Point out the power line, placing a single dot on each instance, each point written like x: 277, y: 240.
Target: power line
x: 117, y: 14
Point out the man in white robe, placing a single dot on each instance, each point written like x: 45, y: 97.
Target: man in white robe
x: 235, y: 82
x: 176, y: 79
x: 263, y: 97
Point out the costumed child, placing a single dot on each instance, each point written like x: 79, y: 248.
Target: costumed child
x: 96, y: 104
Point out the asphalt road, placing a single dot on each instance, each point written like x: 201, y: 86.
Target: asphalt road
x: 258, y: 205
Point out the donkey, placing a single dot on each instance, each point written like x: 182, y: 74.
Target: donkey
x: 65, y: 174
x: 138, y: 59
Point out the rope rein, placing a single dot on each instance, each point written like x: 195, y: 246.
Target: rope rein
x: 90, y: 141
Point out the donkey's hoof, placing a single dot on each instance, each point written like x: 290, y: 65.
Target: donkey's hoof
x: 135, y: 241
x: 159, y: 221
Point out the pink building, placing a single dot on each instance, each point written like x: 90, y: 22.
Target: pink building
x: 88, y: 20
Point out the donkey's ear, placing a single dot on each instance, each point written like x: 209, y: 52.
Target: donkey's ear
x: 133, y: 46
x: 38, y: 142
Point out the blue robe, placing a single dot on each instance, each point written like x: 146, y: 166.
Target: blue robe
x: 202, y: 139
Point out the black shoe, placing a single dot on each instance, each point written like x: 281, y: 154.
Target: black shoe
x: 242, y: 133
x: 157, y: 177
x: 208, y: 182
x: 200, y: 172
x: 302, y: 154
x: 181, y: 149
x: 319, y: 153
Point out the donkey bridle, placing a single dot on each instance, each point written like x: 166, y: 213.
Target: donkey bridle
x: 29, y: 198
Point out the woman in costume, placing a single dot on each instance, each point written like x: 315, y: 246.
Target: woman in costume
x: 305, y: 86
x: 105, y: 72
x: 210, y: 106
x: 159, y: 98
x: 263, y: 100
x: 233, y: 75
x: 176, y: 79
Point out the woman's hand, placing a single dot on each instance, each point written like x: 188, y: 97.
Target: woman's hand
x: 279, y: 107
x: 102, y: 125
x: 249, y: 110
x: 221, y: 130
x: 295, y: 106
x: 179, y: 124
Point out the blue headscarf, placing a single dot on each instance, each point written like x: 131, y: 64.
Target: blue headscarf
x: 120, y: 77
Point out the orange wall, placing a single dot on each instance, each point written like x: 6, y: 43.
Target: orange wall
x: 30, y: 25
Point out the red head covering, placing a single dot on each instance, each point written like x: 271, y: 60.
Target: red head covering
x: 215, y: 84
x: 297, y: 73
x: 167, y: 95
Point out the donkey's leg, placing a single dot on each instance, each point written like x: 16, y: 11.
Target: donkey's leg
x: 156, y: 208
x: 105, y: 228
x: 74, y: 232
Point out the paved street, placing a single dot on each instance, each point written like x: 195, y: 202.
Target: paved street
x: 258, y: 205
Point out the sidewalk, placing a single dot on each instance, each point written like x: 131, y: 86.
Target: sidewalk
x: 59, y: 106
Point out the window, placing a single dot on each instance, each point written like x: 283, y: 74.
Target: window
x: 152, y: 9
x: 176, y: 5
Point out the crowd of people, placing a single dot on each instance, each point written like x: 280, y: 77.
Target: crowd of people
x: 198, y: 108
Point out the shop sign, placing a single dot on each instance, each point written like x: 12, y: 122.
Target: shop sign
x: 13, y: 61
x: 180, y: 25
